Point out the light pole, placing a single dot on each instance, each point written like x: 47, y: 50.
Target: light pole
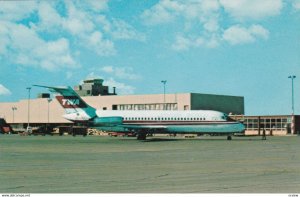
x: 13, y: 109
x: 164, y: 83
x: 49, y: 100
x: 28, y: 88
x: 292, y: 77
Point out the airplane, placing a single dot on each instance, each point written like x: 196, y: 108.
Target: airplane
x: 144, y: 122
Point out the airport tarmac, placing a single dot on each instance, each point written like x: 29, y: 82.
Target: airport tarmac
x: 93, y: 164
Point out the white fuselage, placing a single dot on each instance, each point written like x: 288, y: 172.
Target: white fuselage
x: 196, y: 121
x: 156, y: 121
x: 163, y: 115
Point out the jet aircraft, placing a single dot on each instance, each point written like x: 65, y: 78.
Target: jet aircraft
x: 143, y: 122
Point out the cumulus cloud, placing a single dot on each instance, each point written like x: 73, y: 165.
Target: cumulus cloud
x: 183, y: 43
x: 44, y: 33
x: 100, y: 45
x: 4, y: 90
x: 119, y: 29
x: 166, y: 11
x: 254, y: 9
x: 13, y: 11
x: 121, y: 72
x: 121, y: 87
x: 114, y: 76
x: 26, y: 47
x: 296, y: 4
x: 240, y: 35
x: 162, y: 12
x: 202, y: 25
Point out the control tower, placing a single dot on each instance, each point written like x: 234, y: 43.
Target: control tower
x: 93, y: 87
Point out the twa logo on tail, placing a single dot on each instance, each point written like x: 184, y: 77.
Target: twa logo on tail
x: 71, y: 102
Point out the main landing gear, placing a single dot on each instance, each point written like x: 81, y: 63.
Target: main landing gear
x: 141, y: 136
x: 229, y: 137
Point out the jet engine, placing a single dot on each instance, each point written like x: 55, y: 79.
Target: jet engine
x: 107, y: 121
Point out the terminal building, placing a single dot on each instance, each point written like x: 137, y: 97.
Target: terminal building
x: 45, y: 110
x: 272, y: 125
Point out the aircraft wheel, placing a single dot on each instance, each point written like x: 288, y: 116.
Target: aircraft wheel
x: 229, y: 137
x: 141, y: 136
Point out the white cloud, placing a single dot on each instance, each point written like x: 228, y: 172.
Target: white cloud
x: 25, y: 44
x: 121, y: 72
x: 113, y: 77
x: 296, y: 4
x: 161, y: 12
x: 166, y: 11
x: 25, y: 47
x: 108, y: 69
x: 259, y: 31
x: 122, y: 30
x: 4, y: 90
x: 121, y: 88
x: 95, y: 42
x: 96, y: 6
x: 69, y: 75
x: 181, y: 43
x: 253, y: 9
x: 50, y: 20
x: 200, y: 21
x: 241, y: 35
x: 15, y: 11
x: 51, y: 31
x: 119, y: 29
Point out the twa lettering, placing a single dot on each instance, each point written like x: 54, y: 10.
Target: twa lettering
x: 71, y: 102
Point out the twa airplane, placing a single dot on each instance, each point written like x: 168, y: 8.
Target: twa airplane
x: 143, y: 122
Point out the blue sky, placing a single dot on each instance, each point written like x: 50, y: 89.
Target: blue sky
x: 232, y: 47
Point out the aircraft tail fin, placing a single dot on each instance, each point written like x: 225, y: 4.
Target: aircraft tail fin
x: 70, y: 100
